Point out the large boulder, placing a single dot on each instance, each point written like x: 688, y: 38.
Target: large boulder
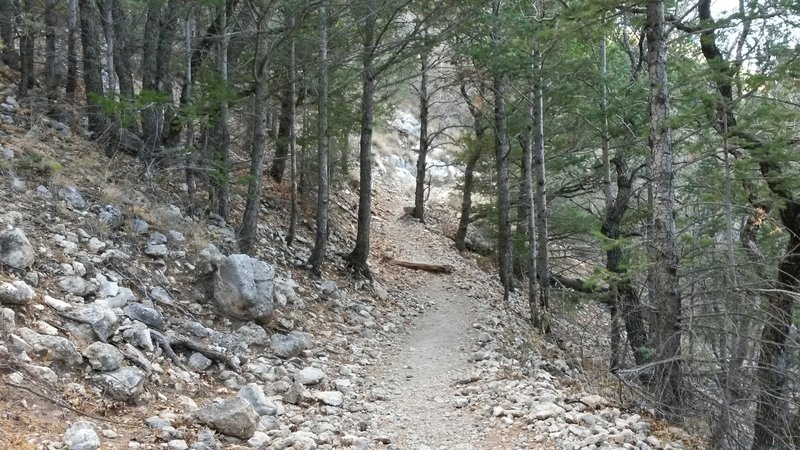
x: 15, y: 249
x: 234, y: 417
x: 243, y: 288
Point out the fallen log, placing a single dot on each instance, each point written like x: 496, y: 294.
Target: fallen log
x: 434, y: 268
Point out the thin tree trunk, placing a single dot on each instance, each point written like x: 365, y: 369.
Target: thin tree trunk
x: 108, y: 21
x: 8, y: 14
x: 419, y: 188
x: 530, y: 219
x: 51, y: 60
x: 290, y: 234
x: 479, y: 128
x: 357, y: 259
x: 122, y: 55
x: 72, y: 49
x: 249, y: 232
x: 92, y: 67
x: 221, y: 135
x: 26, y: 48
x: 543, y: 258
x: 668, y: 375
x: 323, y: 147
x: 285, y: 121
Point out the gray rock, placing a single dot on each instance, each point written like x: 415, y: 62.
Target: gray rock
x: 124, y: 296
x: 75, y: 285
x: 15, y: 249
x: 7, y: 321
x: 209, y: 259
x: 81, y: 436
x: 72, y: 196
x: 310, y: 375
x: 125, y: 384
x: 328, y: 287
x: 157, y: 238
x: 16, y: 293
x: 103, y: 357
x: 546, y: 410
x: 145, y: 314
x: 161, y: 295
x: 330, y: 398
x: 42, y: 373
x: 18, y: 185
x: 177, y: 444
x: 198, y: 362
x: 61, y: 351
x: 205, y: 440
x: 156, y: 250
x: 253, y: 335
x: 111, y: 215
x: 169, y: 214
x: 254, y: 394
x: 286, y: 345
x: 43, y: 193
x: 233, y: 417
x: 243, y: 288
x: 139, y: 226
x: 176, y: 238
x: 125, y: 141
x: 102, y: 319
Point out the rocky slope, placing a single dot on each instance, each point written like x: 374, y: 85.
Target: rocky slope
x: 126, y: 322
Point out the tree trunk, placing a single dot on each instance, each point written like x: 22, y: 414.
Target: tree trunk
x: 8, y: 14
x: 530, y: 219
x: 50, y: 56
x: 92, y: 66
x: 285, y: 123
x: 221, y: 135
x: 249, y: 232
x: 667, y: 301
x: 108, y: 22
x: 323, y: 148
x: 72, y: 49
x: 419, y: 189
x: 357, y: 259
x: 122, y: 55
x: 543, y: 258
x: 290, y: 234
x: 479, y: 128
x: 27, y: 28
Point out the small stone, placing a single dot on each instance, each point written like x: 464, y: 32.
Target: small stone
x: 42, y: 373
x: 139, y: 226
x: 110, y: 215
x: 145, y: 314
x: 330, y: 398
x: 198, y: 362
x: 95, y: 245
x: 177, y: 444
x: 157, y: 238
x: 254, y: 394
x: 19, y: 186
x: 43, y: 193
x: 125, y: 384
x: 16, y: 250
x: 234, y: 417
x: 156, y: 250
x: 74, y: 285
x: 161, y: 295
x: 16, y: 293
x: 309, y: 376
x: 546, y: 410
x: 102, y: 319
x: 103, y: 357
x: 72, y: 196
x: 81, y: 436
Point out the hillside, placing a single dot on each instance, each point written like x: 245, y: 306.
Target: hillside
x: 123, y: 325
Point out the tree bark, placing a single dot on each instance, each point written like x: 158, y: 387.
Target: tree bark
x: 122, y: 55
x: 50, y: 37
x: 92, y: 68
x: 285, y: 123
x: 357, y: 259
x: 108, y: 22
x: 221, y: 135
x: 479, y: 128
x: 290, y: 233
x: 72, y: 49
x: 530, y: 219
x: 27, y: 28
x: 8, y: 14
x: 668, y: 374
x: 323, y: 148
x: 424, y: 143
x: 543, y: 258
